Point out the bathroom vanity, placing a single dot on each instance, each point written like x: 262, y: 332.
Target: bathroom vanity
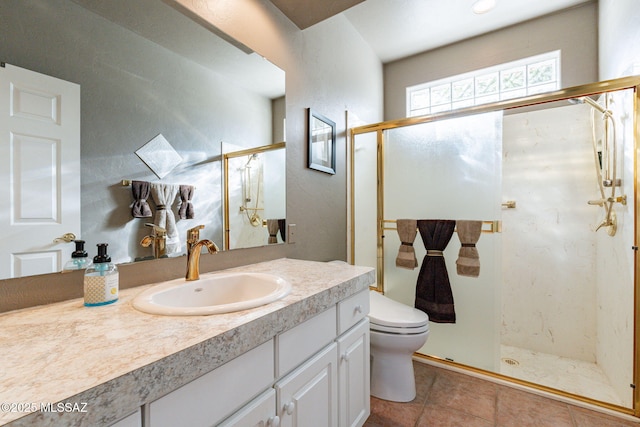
x: 289, y: 361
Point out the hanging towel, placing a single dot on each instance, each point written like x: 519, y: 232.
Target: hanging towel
x: 407, y: 230
x: 272, y: 228
x: 433, y: 289
x: 164, y: 195
x: 140, y: 190
x: 186, y: 207
x: 282, y: 225
x: 468, y: 262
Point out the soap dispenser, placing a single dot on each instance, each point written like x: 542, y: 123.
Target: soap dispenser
x: 79, y: 258
x: 101, y: 280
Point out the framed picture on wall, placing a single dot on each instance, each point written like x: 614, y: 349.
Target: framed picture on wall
x: 321, y: 151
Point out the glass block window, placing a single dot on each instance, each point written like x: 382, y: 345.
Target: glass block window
x: 528, y: 76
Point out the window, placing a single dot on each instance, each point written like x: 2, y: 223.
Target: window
x: 528, y: 76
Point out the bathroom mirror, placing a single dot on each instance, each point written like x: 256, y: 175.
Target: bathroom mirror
x: 145, y: 70
x: 554, y: 301
x: 254, y: 196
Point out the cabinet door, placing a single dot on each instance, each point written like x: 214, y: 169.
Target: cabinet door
x: 353, y: 375
x: 260, y: 412
x: 308, y: 396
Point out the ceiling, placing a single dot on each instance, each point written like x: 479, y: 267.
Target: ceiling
x: 160, y: 23
x: 399, y: 28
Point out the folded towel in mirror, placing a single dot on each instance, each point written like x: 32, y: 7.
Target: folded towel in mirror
x: 141, y: 191
x: 186, y: 207
x: 164, y: 195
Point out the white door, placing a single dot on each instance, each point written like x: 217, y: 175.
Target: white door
x: 309, y: 395
x: 39, y: 171
x: 353, y: 376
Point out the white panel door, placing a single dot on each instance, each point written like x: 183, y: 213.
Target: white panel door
x: 309, y: 395
x: 354, y: 376
x: 39, y: 171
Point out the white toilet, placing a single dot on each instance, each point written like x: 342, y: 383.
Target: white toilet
x: 397, y: 331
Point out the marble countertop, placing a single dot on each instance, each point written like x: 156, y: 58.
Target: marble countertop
x: 105, y: 362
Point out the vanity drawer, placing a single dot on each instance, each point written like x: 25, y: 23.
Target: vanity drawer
x: 208, y: 399
x: 300, y: 343
x: 352, y: 310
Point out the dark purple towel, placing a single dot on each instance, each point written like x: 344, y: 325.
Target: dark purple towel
x: 186, y: 207
x: 141, y: 191
x: 433, y: 290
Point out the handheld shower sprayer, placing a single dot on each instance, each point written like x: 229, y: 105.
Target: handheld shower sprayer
x: 592, y: 103
x: 605, y: 162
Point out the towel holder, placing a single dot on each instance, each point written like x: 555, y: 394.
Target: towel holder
x: 493, y: 226
x: 127, y: 183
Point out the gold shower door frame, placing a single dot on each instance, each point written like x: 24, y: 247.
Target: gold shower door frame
x: 225, y: 173
x: 632, y: 83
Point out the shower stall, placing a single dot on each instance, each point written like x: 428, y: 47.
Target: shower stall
x: 552, y: 178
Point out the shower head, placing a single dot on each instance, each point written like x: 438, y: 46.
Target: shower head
x: 591, y: 102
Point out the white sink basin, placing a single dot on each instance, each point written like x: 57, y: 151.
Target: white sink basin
x: 212, y: 294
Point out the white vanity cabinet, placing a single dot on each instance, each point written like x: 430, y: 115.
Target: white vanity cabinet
x: 353, y: 360
x: 353, y: 376
x: 133, y: 420
x: 260, y: 412
x: 315, y: 374
x: 308, y: 396
x: 210, y: 398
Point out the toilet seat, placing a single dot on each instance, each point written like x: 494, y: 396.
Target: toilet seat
x: 387, y: 315
x: 398, y: 331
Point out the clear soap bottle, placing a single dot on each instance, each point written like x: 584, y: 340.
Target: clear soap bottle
x: 79, y: 258
x: 101, y: 280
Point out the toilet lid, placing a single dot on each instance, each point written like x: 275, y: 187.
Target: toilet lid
x: 387, y: 312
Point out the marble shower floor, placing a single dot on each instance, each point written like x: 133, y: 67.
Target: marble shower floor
x: 572, y: 376
x: 446, y: 398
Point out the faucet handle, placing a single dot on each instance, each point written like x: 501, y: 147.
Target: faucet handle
x: 193, y: 234
x: 157, y: 230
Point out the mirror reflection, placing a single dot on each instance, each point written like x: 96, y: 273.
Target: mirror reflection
x: 143, y: 71
x: 254, y: 195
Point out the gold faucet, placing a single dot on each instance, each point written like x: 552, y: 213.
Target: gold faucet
x: 194, y: 245
x: 157, y: 240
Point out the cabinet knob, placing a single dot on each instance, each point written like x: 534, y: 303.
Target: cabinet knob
x: 289, y: 408
x: 358, y: 308
x: 345, y: 357
x: 273, y: 421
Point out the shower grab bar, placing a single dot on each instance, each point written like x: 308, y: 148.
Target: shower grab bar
x: 494, y: 226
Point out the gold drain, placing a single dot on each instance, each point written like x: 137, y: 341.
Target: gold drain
x: 510, y: 361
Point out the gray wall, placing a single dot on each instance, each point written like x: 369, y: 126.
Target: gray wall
x: 132, y: 90
x: 574, y: 31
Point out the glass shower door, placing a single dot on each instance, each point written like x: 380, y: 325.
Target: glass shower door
x: 449, y: 169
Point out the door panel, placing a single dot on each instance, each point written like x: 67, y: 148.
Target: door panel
x: 39, y: 171
x: 449, y: 169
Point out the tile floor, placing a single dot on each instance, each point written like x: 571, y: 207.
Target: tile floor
x: 447, y: 398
